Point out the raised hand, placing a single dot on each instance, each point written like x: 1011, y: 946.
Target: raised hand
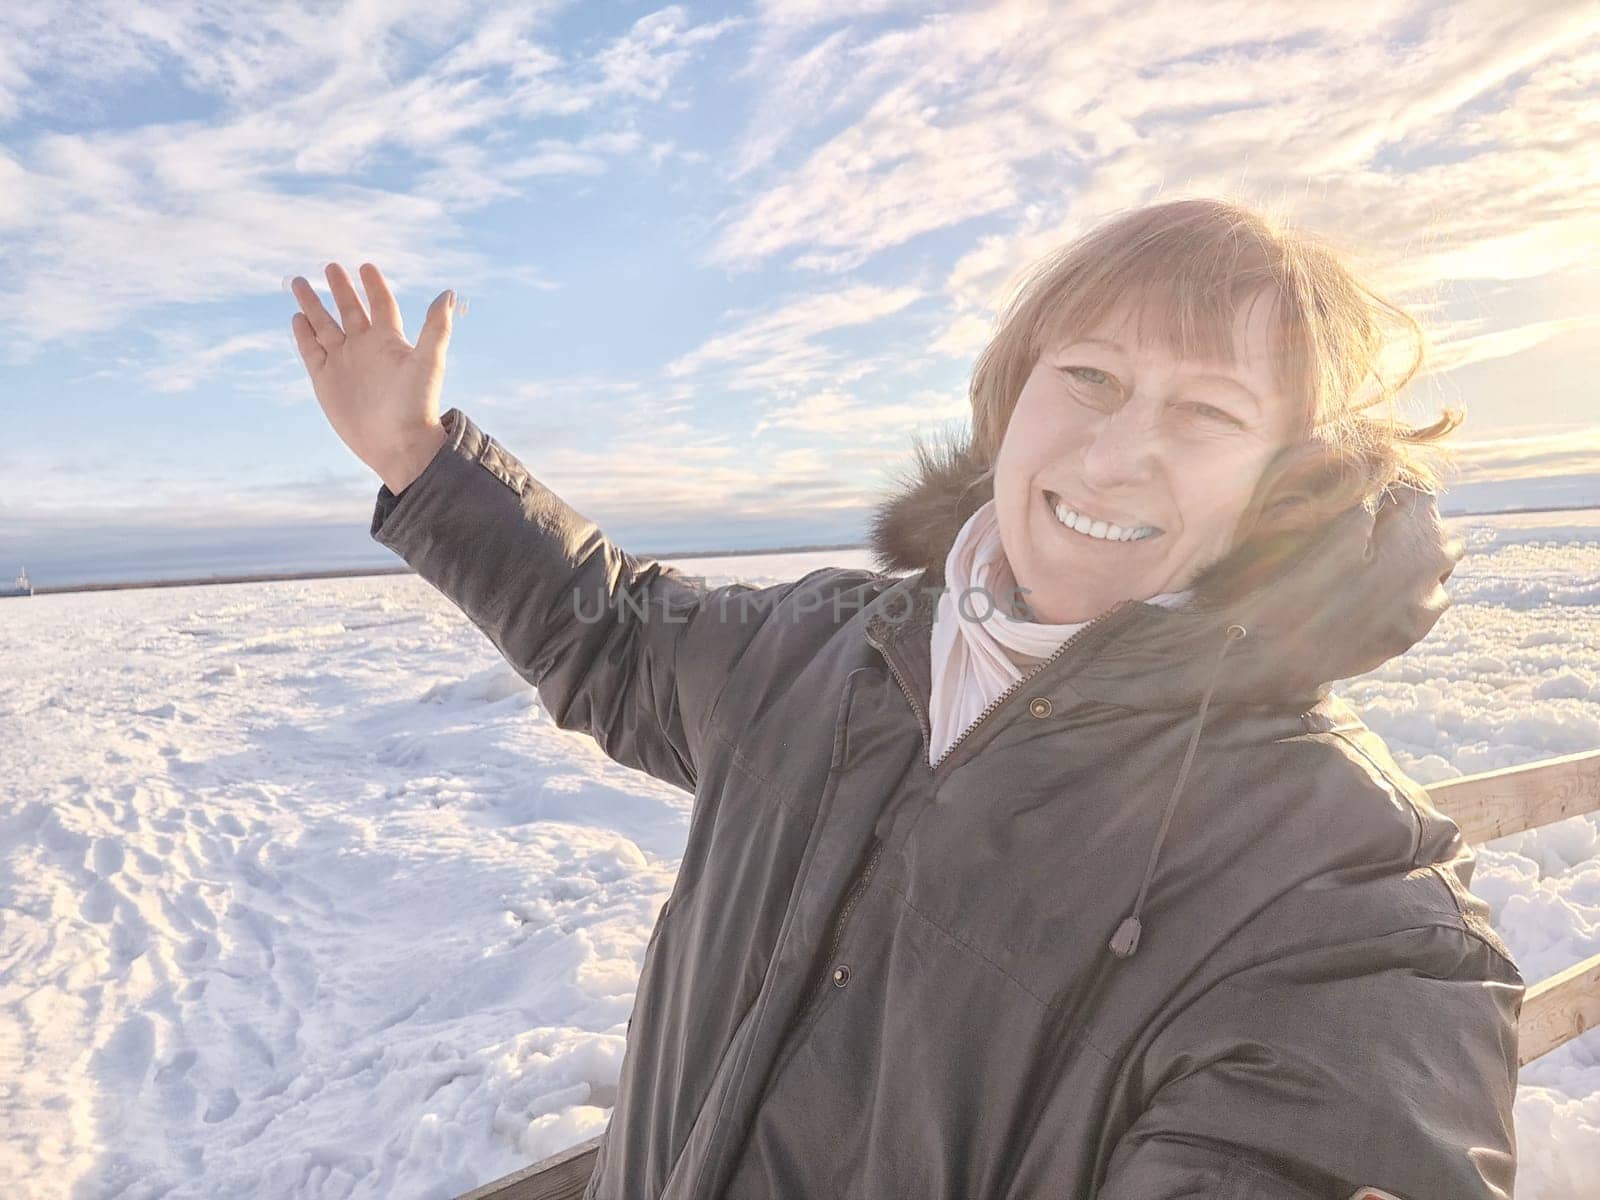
x: 379, y: 392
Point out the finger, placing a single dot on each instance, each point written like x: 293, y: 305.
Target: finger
x: 434, y: 339
x: 305, y: 340
x: 324, y: 326
x: 351, y: 315
x: 380, y: 299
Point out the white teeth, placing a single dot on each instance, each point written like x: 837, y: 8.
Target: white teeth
x: 1104, y: 530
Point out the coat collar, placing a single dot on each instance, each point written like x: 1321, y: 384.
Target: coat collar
x: 1364, y: 588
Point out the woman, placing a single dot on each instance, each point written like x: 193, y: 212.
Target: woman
x: 1053, y: 867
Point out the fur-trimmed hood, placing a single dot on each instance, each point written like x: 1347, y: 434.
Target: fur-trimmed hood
x: 1364, y: 588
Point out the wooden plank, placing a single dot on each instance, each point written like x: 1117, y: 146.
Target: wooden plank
x: 1496, y: 803
x: 562, y: 1176
x: 1558, y: 1009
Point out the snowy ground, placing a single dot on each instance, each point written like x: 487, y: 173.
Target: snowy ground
x: 303, y: 895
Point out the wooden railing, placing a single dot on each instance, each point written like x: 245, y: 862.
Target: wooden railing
x: 1487, y: 806
x: 1497, y: 803
x: 562, y: 1176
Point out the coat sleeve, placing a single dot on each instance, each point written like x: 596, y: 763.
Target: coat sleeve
x: 623, y: 648
x: 1389, y: 1062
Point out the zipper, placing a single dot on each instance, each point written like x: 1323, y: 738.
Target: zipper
x: 838, y: 933
x: 925, y: 722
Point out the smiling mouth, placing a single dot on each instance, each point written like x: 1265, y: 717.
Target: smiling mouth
x: 1094, y: 530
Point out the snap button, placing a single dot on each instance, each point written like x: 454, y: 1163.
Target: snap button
x: 841, y: 975
x: 1040, y: 706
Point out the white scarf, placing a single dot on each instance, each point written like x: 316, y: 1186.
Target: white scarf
x: 980, y: 649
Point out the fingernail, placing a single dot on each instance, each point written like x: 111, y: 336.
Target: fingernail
x: 450, y: 299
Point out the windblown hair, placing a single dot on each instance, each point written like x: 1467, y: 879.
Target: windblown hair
x: 1190, y: 264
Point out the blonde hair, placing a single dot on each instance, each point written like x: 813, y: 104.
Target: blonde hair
x: 1190, y: 264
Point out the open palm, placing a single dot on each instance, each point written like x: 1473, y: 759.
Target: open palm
x: 379, y: 392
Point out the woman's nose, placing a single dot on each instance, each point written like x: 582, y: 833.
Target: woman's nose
x: 1119, y: 447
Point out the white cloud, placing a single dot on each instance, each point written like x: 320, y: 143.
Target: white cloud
x: 780, y: 348
x: 1437, y: 143
x: 644, y: 61
x: 1574, y: 450
x: 804, y: 14
x: 799, y: 90
x: 1503, y: 343
x: 188, y: 362
x: 109, y: 223
x: 837, y: 414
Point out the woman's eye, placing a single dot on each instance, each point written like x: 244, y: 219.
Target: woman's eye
x: 1212, y: 413
x: 1094, y: 377
x: 1087, y: 375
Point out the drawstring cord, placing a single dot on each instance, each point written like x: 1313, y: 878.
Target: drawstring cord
x: 1058, y: 1039
x: 1126, y: 940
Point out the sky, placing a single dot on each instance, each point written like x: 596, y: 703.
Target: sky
x: 721, y: 262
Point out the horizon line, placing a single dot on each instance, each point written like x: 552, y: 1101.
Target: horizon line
x: 663, y: 556
x: 357, y: 572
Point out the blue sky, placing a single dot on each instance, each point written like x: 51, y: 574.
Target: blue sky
x: 721, y: 261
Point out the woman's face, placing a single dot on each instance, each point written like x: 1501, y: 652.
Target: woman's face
x: 1124, y: 439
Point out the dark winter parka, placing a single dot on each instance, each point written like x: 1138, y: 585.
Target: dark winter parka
x: 1167, y: 921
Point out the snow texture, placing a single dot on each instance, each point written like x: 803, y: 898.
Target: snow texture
x: 302, y: 893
